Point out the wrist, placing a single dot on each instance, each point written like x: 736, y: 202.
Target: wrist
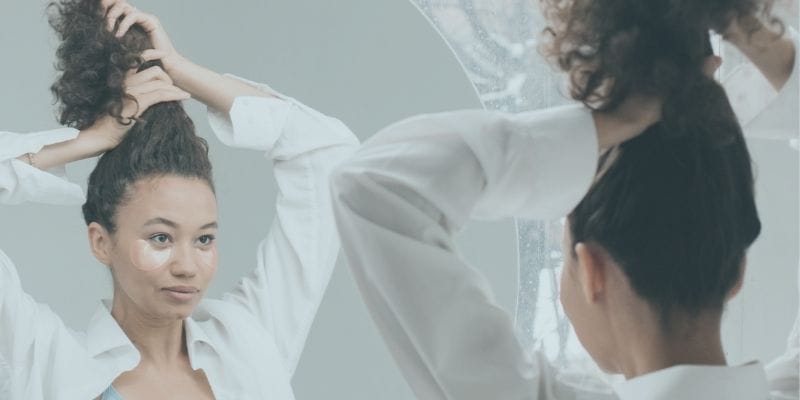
x: 177, y: 67
x: 104, y: 135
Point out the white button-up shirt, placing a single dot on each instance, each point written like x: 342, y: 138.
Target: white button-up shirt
x: 248, y: 344
x: 410, y: 188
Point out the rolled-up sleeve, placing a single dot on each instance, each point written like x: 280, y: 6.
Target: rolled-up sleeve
x: 20, y: 182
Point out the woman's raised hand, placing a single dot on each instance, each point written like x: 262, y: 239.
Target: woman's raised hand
x: 143, y: 89
x: 121, y: 16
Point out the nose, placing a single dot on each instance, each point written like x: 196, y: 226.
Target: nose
x: 184, y: 262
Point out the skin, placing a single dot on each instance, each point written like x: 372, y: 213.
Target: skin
x: 164, y: 239
x: 152, y: 319
x: 619, y: 329
x: 171, y: 215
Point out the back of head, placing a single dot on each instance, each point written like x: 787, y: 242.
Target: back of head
x: 676, y: 211
x: 93, y: 65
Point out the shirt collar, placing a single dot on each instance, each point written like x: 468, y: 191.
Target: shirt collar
x: 196, y: 337
x: 694, y: 382
x: 104, y: 334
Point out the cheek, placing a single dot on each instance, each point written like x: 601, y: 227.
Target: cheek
x: 147, y: 258
x: 208, y: 258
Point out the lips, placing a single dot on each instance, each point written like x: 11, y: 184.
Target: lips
x: 181, y: 294
x: 182, y: 289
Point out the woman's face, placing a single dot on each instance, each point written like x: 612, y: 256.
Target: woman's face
x: 164, y: 253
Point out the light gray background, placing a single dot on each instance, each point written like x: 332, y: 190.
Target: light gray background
x: 366, y: 62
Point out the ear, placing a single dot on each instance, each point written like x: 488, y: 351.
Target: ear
x: 100, y: 242
x: 711, y: 65
x: 739, y: 282
x: 591, y: 271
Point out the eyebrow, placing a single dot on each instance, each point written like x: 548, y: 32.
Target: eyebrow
x: 164, y: 221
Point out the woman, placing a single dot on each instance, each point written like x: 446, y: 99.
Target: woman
x: 653, y: 250
x: 151, y: 215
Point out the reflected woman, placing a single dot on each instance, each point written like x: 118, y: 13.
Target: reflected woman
x: 657, y: 231
x: 151, y: 213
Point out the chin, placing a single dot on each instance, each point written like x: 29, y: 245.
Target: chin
x: 178, y: 312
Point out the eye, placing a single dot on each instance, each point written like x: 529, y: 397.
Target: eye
x: 206, y: 240
x: 161, y: 238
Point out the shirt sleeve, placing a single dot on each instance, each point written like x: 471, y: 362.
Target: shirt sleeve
x: 296, y: 259
x: 32, y: 337
x: 398, y: 204
x: 21, y: 183
x: 765, y: 113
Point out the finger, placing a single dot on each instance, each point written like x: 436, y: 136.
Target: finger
x: 150, y: 74
x: 132, y: 16
x: 153, y: 54
x: 147, y: 87
x: 107, y: 3
x: 160, y: 96
x: 113, y: 14
x: 151, y: 87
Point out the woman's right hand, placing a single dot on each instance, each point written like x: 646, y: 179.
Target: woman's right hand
x: 143, y: 89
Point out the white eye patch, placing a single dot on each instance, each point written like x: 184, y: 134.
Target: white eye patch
x: 207, y: 258
x: 145, y: 257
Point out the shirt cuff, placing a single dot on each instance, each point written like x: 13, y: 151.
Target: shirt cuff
x: 280, y: 125
x: 556, y: 159
x: 252, y: 123
x: 20, y: 182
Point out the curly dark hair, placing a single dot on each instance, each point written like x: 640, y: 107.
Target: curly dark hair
x: 93, y: 64
x: 614, y: 48
x: 676, y: 208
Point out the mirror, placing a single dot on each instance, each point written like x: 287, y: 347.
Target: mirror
x: 496, y: 43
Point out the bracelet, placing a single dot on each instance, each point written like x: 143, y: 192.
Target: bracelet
x: 31, y: 159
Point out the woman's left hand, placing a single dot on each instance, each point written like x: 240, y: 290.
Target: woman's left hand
x: 123, y: 12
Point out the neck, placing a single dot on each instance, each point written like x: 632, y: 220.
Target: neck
x: 689, y: 341
x: 159, y: 340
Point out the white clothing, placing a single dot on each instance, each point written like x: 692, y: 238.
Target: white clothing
x: 410, y: 188
x: 248, y: 344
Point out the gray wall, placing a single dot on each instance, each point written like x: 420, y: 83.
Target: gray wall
x: 366, y: 62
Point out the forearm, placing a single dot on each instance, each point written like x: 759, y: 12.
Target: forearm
x: 772, y: 54
x: 212, y: 89
x: 89, y: 143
